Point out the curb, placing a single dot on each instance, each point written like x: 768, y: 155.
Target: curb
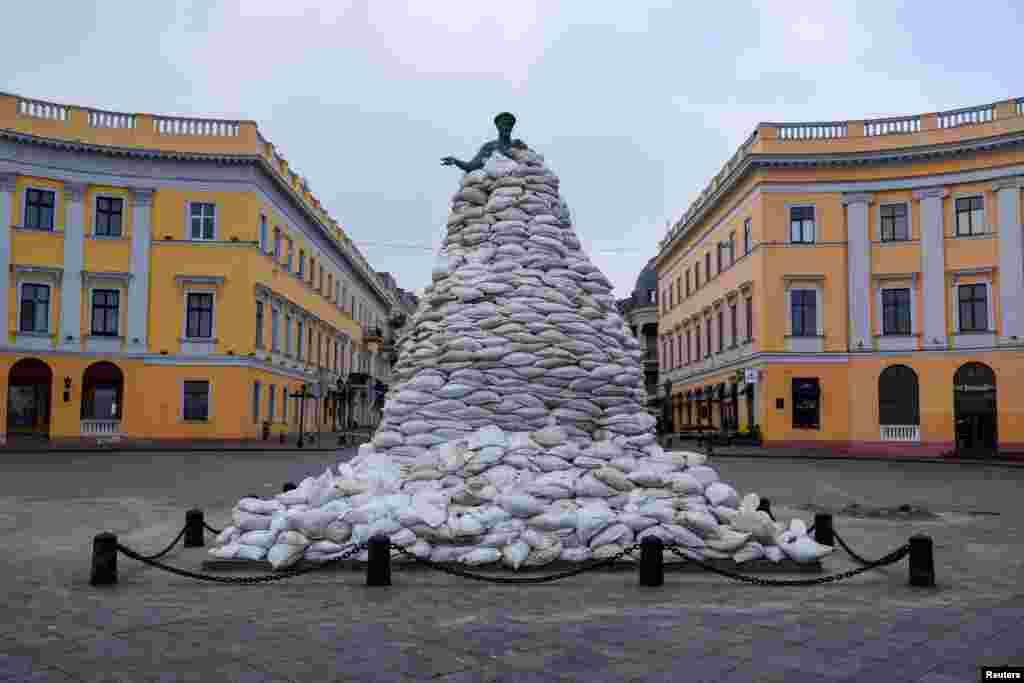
x: 142, y: 449
x: 867, y: 458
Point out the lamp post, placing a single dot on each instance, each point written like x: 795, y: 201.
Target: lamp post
x: 302, y: 396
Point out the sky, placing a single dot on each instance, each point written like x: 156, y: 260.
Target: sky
x: 634, y: 105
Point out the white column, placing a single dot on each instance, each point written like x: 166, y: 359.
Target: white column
x: 1011, y: 268
x: 933, y: 266
x: 858, y: 249
x: 138, y: 289
x: 71, y: 283
x: 8, y: 184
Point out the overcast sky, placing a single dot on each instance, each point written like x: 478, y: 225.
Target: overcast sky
x: 635, y: 105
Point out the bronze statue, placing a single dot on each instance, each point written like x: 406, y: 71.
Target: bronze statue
x: 504, y: 144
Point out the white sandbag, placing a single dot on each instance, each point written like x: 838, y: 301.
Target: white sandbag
x: 725, y: 515
x: 521, y: 505
x: 258, y: 506
x: 539, y: 557
x: 227, y: 535
x: 636, y: 522
x: 250, y: 552
x: 625, y: 463
x: 312, y: 523
x: 751, y: 551
x: 481, y: 556
x: 648, y: 477
x: 293, y: 497
x: 720, y: 494
x: 704, y: 474
x: 263, y: 539
x: 403, y: 538
x: 774, y: 553
x: 226, y: 552
x: 283, y: 555
x: 350, y: 487
x: 592, y: 520
x: 326, y: 547
x: 577, y: 554
x: 246, y: 521
x: 421, y: 549
x: 606, y: 551
x: 590, y: 487
x: 685, y: 483
x: 616, y: 533
x: 550, y: 521
x: 805, y: 549
x: 515, y: 554
x: 704, y: 523
x: 683, y: 536
x: 658, y: 509
x: 614, y: 478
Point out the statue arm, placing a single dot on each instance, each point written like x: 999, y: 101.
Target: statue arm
x: 474, y: 163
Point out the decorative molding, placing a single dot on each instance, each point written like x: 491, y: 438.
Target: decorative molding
x: 92, y: 276
x: 929, y: 192
x: 809, y: 277
x: 8, y: 182
x: 215, y: 280
x: 142, y: 196
x: 858, y: 198
x: 1014, y: 183
x: 958, y: 273
x: 75, y: 192
x: 55, y: 272
x: 913, y: 277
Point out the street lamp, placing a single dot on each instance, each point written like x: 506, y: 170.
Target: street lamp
x: 302, y: 396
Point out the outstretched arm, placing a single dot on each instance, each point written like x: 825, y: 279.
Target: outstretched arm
x: 473, y: 164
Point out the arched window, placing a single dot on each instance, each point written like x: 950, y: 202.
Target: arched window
x: 898, y: 399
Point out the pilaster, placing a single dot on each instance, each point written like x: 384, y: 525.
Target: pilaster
x: 858, y: 269
x: 138, y: 292
x: 1011, y: 260
x: 933, y: 266
x: 8, y: 184
x: 74, y: 255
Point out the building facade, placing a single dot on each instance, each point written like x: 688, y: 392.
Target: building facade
x: 169, y: 278
x: 856, y: 284
x: 640, y: 312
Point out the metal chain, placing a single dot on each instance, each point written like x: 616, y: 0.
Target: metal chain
x: 894, y: 556
x: 850, y: 550
x: 244, y: 580
x: 449, y: 569
x: 166, y: 550
x: 216, y: 532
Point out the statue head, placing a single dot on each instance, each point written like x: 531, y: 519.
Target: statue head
x: 505, y: 121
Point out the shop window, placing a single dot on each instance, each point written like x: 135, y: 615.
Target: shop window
x: 806, y: 403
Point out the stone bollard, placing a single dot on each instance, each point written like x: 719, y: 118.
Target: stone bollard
x: 766, y: 506
x: 194, y: 528
x: 104, y: 560
x: 378, y: 566
x: 652, y: 561
x: 823, y: 529
x: 288, y: 486
x: 922, y: 561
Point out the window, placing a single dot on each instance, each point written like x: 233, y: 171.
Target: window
x: 805, y: 319
x: 277, y: 245
x: 309, y: 347
x: 733, y: 323
x: 337, y: 292
x: 895, y: 226
x: 749, y: 306
x: 197, y: 400
x: 973, y: 308
x: 696, y: 276
x: 352, y: 310
x: 312, y: 269
x: 298, y: 340
x: 689, y: 347
x: 896, y: 311
x: 105, y: 305
x: 320, y: 281
x: 721, y: 248
x: 707, y: 266
x: 732, y: 248
x: 687, y: 282
x: 256, y: 402
x: 651, y: 296
x: 801, y: 224
x: 109, y: 211
x: 35, y: 308
x: 707, y: 330
x: 302, y: 263
x: 284, y: 404
x: 697, y: 336
x: 259, y: 324
x: 199, y: 316
x: 806, y: 403
x: 970, y: 216
x: 721, y: 330
x: 201, y: 219
x: 746, y: 237
x: 275, y: 338
x: 330, y: 285
x: 39, y: 205
x: 898, y: 396
x: 287, y: 335
x: 263, y: 233
x: 291, y: 255
x: 672, y: 295
x: 272, y: 400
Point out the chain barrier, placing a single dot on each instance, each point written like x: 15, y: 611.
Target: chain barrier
x: 849, y: 549
x: 449, y: 569
x: 168, y: 549
x: 215, y: 532
x: 244, y: 580
x: 891, y: 558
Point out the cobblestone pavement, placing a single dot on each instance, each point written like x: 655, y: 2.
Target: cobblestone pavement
x: 601, y: 626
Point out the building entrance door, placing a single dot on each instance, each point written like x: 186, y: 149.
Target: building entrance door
x: 974, y: 408
x: 28, y: 398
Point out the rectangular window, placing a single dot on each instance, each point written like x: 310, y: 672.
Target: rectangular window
x: 721, y: 330
x: 746, y: 236
x: 202, y: 219
x: 259, y: 324
x: 805, y: 319
x: 197, y: 400
x: 302, y: 263
x: 275, y: 337
x: 263, y: 233
x: 687, y: 282
x: 721, y: 249
x: 896, y: 311
x: 697, y: 336
x: 707, y: 330
x: 39, y: 208
x: 749, y: 306
x: 284, y: 405
x: 672, y: 295
x: 689, y: 346
x: 970, y: 215
x: 320, y: 281
x: 696, y: 276
x: 298, y: 340
x: 801, y: 224
x: 309, y: 347
x: 287, y: 335
x: 291, y: 255
x: 707, y: 266
x: 973, y: 308
x: 312, y: 269
x: 330, y: 285
x: 272, y: 401
x: 806, y: 403
x: 200, y: 316
x: 109, y: 212
x: 256, y: 402
x: 35, y: 308
x: 105, y: 307
x: 277, y: 245
x: 895, y: 225
x: 337, y: 292
x: 733, y: 325
x: 732, y: 248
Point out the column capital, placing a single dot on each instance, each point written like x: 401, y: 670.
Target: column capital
x: 858, y: 198
x: 74, y: 191
x: 930, y: 192
x: 1014, y: 183
x: 142, y: 196
x: 8, y: 182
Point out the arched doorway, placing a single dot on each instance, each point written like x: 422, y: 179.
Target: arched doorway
x: 102, y: 399
x: 899, y: 409
x: 29, y: 387
x: 974, y: 409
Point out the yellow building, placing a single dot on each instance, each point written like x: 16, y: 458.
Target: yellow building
x: 855, y: 284
x: 170, y: 278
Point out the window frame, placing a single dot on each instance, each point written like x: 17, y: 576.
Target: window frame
x: 791, y: 208
x: 721, y: 330
x: 747, y: 235
x: 275, y: 329
x: 189, y: 204
x: 291, y: 254
x: 983, y: 230
x: 734, y: 322
x: 189, y: 293
x: 287, y: 334
x: 184, y: 399
x: 885, y: 307
x: 302, y: 264
x: 257, y: 399
x: 882, y: 237
x: 21, y: 306
x: 259, y: 324
x: 748, y: 310
x: 271, y: 402
x: 803, y: 293
x: 264, y: 236
x: 54, y: 210
x: 106, y: 308
x: 985, y: 287
x: 808, y: 424
x: 97, y: 198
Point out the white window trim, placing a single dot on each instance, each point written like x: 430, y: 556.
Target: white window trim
x: 290, y: 258
x: 277, y: 242
x: 897, y: 284
x: 263, y: 236
x: 789, y: 223
x: 987, y: 281
x: 212, y: 339
x: 271, y: 402
x: 260, y: 320
x: 819, y: 313
x: 288, y: 334
x: 58, y: 207
x: 125, y: 209
x: 188, y: 221
x: 209, y: 400
x: 878, y: 221
x: 275, y: 329
x: 256, y: 400
x: 121, y: 308
x: 22, y: 281
x: 986, y: 228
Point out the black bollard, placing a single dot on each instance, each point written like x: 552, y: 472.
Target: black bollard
x: 378, y: 568
x: 288, y: 486
x: 282, y: 438
x: 104, y: 560
x: 766, y: 505
x: 194, y: 529
x: 823, y: 529
x: 652, y: 561
x: 922, y: 562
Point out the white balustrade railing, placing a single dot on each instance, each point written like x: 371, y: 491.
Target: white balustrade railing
x: 110, y: 119
x: 173, y: 125
x: 101, y: 427
x: 906, y: 433
x: 42, y: 110
x: 812, y: 131
x: 967, y: 117
x: 905, y: 124
x: 1020, y: 107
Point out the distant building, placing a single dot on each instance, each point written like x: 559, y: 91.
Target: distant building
x: 640, y: 311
